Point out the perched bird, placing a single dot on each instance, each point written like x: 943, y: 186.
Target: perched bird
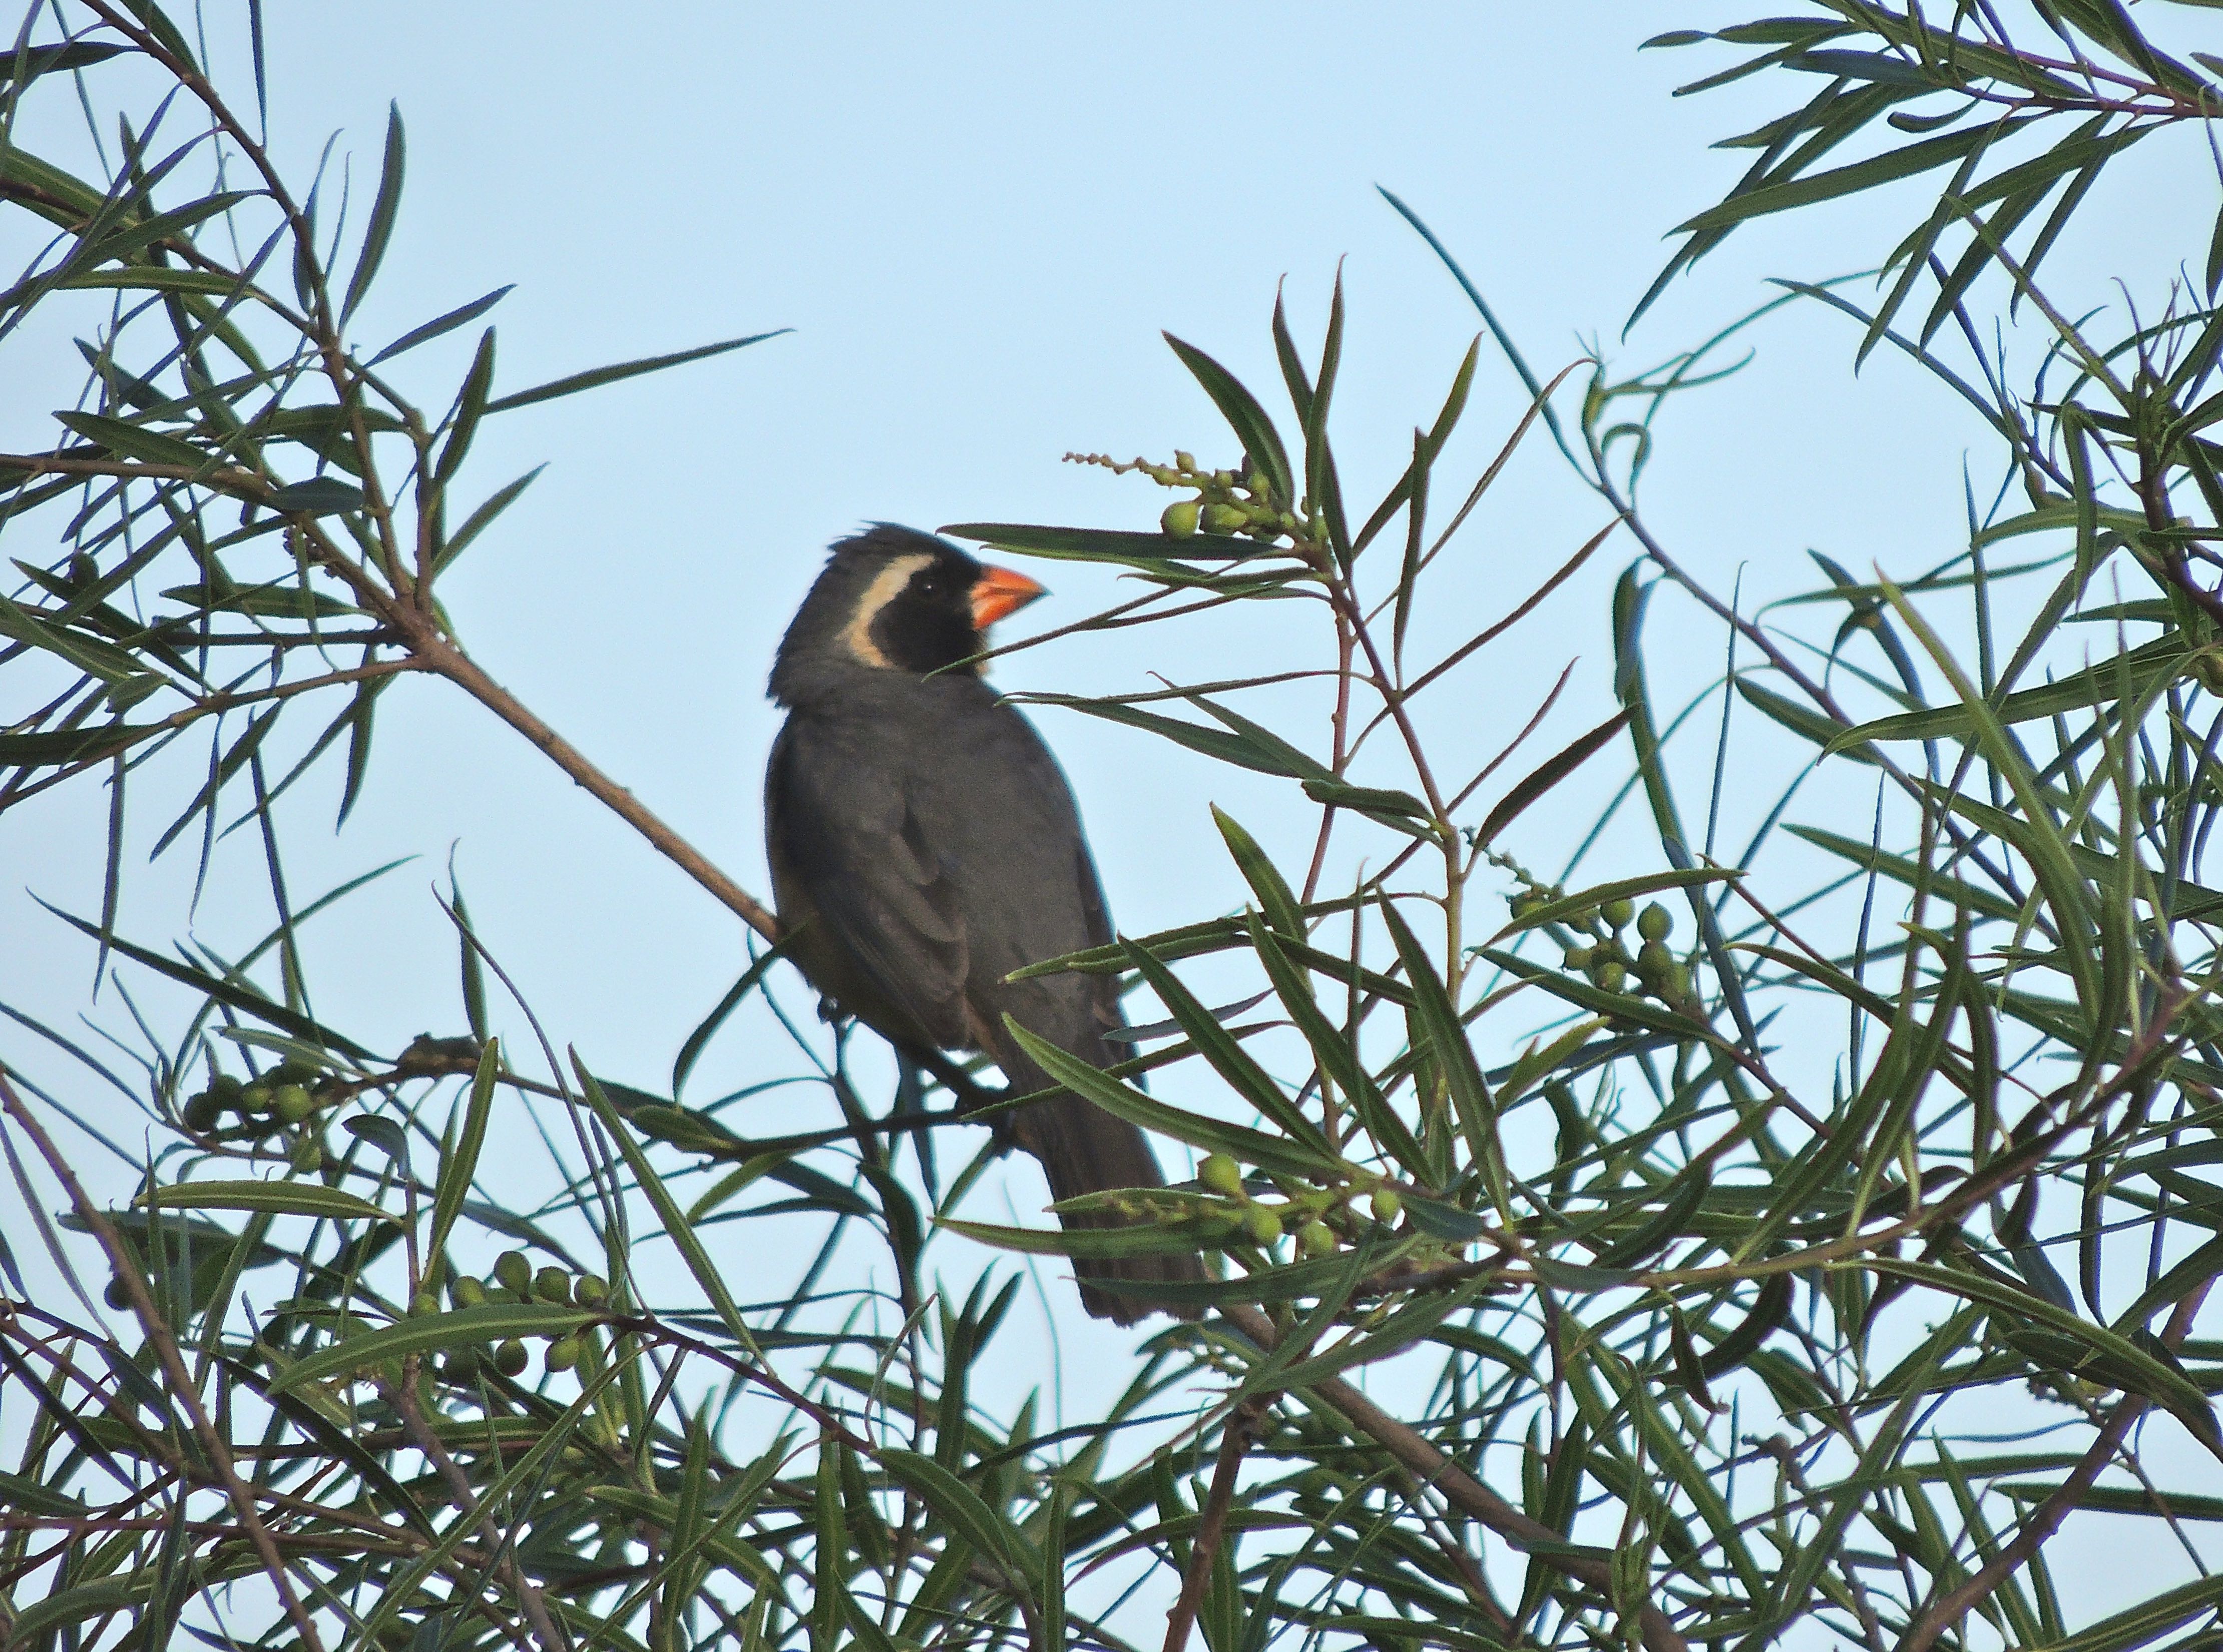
x: 923, y: 846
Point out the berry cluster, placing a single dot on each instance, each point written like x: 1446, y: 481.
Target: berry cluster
x: 1237, y: 503
x: 515, y: 1278
x: 1322, y: 1218
x: 284, y: 1096
x: 1601, y: 952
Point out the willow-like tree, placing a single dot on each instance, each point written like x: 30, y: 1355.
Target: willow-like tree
x: 1700, y: 1206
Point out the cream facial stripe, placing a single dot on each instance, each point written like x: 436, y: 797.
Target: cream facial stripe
x: 858, y: 638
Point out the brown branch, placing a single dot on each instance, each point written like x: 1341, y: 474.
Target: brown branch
x: 1234, y: 1441
x: 2046, y: 1518
x: 530, y: 1600
x: 126, y: 1270
x: 420, y: 633
x: 1458, y: 1488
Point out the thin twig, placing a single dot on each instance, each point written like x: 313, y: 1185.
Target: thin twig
x: 126, y: 1270
x: 1235, y: 1441
x: 421, y: 1434
x: 1457, y: 1487
x: 2046, y: 1518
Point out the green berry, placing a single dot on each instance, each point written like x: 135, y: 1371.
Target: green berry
x: 1316, y: 1239
x: 1678, y: 982
x: 424, y: 1303
x: 202, y: 1112
x: 563, y: 1353
x: 116, y: 1296
x: 309, y: 1155
x: 1184, y: 461
x: 1385, y: 1204
x: 292, y: 1104
x: 1618, y: 911
x: 509, y: 1358
x: 514, y: 1272
x: 1179, y: 518
x: 1653, y: 960
x: 228, y: 1091
x: 1655, y: 922
x: 466, y: 1292
x: 1225, y: 518
x: 1263, y: 1225
x: 590, y: 1291
x: 552, y: 1285
x: 1610, y: 974
x: 1221, y: 1174
x: 1580, y: 957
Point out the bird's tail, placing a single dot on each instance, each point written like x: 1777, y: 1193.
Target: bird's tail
x: 1084, y: 1149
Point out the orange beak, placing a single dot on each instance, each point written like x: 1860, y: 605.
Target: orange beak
x: 999, y: 592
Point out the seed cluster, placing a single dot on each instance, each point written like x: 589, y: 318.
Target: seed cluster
x: 1233, y: 504
x: 1602, y: 951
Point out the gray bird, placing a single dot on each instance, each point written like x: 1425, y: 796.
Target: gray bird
x: 923, y: 846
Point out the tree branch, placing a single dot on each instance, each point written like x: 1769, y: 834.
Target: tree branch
x: 2046, y: 1518
x: 126, y: 1269
x: 1457, y: 1487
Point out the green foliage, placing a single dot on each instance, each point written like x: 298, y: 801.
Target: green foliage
x: 1695, y: 1219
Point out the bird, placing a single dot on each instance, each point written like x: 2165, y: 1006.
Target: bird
x: 924, y: 845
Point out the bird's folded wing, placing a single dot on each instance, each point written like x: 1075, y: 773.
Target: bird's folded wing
x: 843, y: 833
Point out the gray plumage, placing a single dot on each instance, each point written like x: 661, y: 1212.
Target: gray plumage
x: 923, y: 837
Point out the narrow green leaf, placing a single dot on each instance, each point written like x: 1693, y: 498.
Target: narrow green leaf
x: 697, y: 1041
x: 277, y: 1198
x: 1212, y: 743
x: 154, y: 278
x: 461, y: 316
x: 463, y: 1327
x: 131, y: 441
x: 1260, y: 441
x: 2102, y: 682
x: 1238, y: 1141
x: 1275, y: 898
x: 319, y: 496
x: 668, y: 1212
x: 60, y: 747
x: 470, y: 407
x: 457, y: 1169
x: 964, y: 1513
x: 1452, y: 1054
x: 1400, y: 810
x: 1336, y: 1055
x: 383, y: 209
x: 91, y: 655
x: 596, y: 377
x: 1817, y: 726
x: 29, y: 62
x: 1547, y: 775
x: 1226, y: 1054
x: 1907, y: 162
x: 1108, y: 544
x: 481, y: 519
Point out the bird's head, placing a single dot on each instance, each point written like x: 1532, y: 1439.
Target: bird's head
x: 894, y: 600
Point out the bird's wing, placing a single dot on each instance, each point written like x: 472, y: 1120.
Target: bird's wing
x: 1103, y: 989
x: 854, y: 860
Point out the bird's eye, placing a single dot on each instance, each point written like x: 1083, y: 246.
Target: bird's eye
x: 928, y: 583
